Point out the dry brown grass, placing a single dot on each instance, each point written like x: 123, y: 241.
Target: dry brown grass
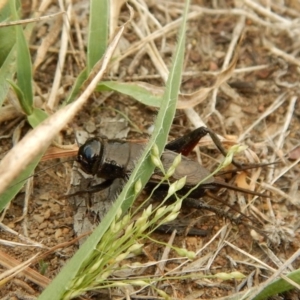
x: 257, y: 105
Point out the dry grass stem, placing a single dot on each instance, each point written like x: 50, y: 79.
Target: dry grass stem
x: 277, y: 273
x: 250, y: 256
x: 277, y: 103
x: 164, y: 258
x: 52, y: 100
x: 32, y: 20
x: 7, y: 275
x: 240, y: 79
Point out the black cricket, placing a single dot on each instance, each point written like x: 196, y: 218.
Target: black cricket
x: 112, y: 158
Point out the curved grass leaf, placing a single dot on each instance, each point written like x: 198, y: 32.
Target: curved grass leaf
x: 137, y: 92
x: 8, y: 40
x: 279, y: 286
x: 98, y: 31
x: 7, y: 53
x: 61, y: 287
x: 19, y: 93
x: 97, y: 42
x: 7, y: 34
x: 76, y: 87
x: 36, y: 117
x: 17, y: 184
x: 24, y: 66
x: 7, y: 71
x: 24, y: 69
x: 23, y: 90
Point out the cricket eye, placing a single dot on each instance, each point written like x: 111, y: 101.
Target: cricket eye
x: 88, y: 155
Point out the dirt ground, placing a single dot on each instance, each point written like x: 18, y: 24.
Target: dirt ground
x: 258, y: 106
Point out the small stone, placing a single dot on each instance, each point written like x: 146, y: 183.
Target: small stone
x: 50, y: 231
x: 219, y: 54
x: 69, y: 221
x: 213, y: 66
x: 55, y: 208
x: 90, y: 127
x: 34, y: 235
x: 58, y: 233
x: 195, y: 56
x: 66, y: 230
x: 40, y: 219
x: 47, y: 214
x: 43, y: 225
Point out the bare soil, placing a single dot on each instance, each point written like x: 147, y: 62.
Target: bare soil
x: 258, y: 106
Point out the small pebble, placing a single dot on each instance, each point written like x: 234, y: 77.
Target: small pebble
x: 43, y: 225
x: 47, y: 214
x: 40, y: 219
x: 66, y: 230
x: 219, y: 54
x: 90, y: 127
x: 58, y: 233
x: 34, y: 235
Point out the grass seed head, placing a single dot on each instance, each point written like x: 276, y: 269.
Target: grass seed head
x: 135, y: 247
x: 104, y: 276
x: 119, y: 213
x: 176, y: 186
x: 163, y: 294
x: 170, y: 172
x: 95, y: 266
x: 139, y: 282
x: 142, y: 228
x: 185, y: 253
x: 172, y: 216
x: 160, y: 212
x: 137, y: 187
x: 129, y: 230
x: 148, y: 211
x: 231, y: 152
x: 228, y: 276
x: 125, y: 220
x: 177, y: 161
x: 177, y: 206
x: 157, y: 162
x: 121, y: 257
x: 116, y: 227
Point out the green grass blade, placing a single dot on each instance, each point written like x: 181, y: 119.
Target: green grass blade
x: 76, y: 87
x: 137, y: 92
x: 23, y: 90
x: 143, y: 171
x: 36, y: 117
x: 98, y: 31
x: 97, y: 42
x: 24, y: 70
x: 24, y: 66
x: 7, y: 72
x: 7, y: 53
x: 19, y: 95
x: 279, y: 286
x: 17, y: 184
x: 7, y: 34
x: 8, y: 40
